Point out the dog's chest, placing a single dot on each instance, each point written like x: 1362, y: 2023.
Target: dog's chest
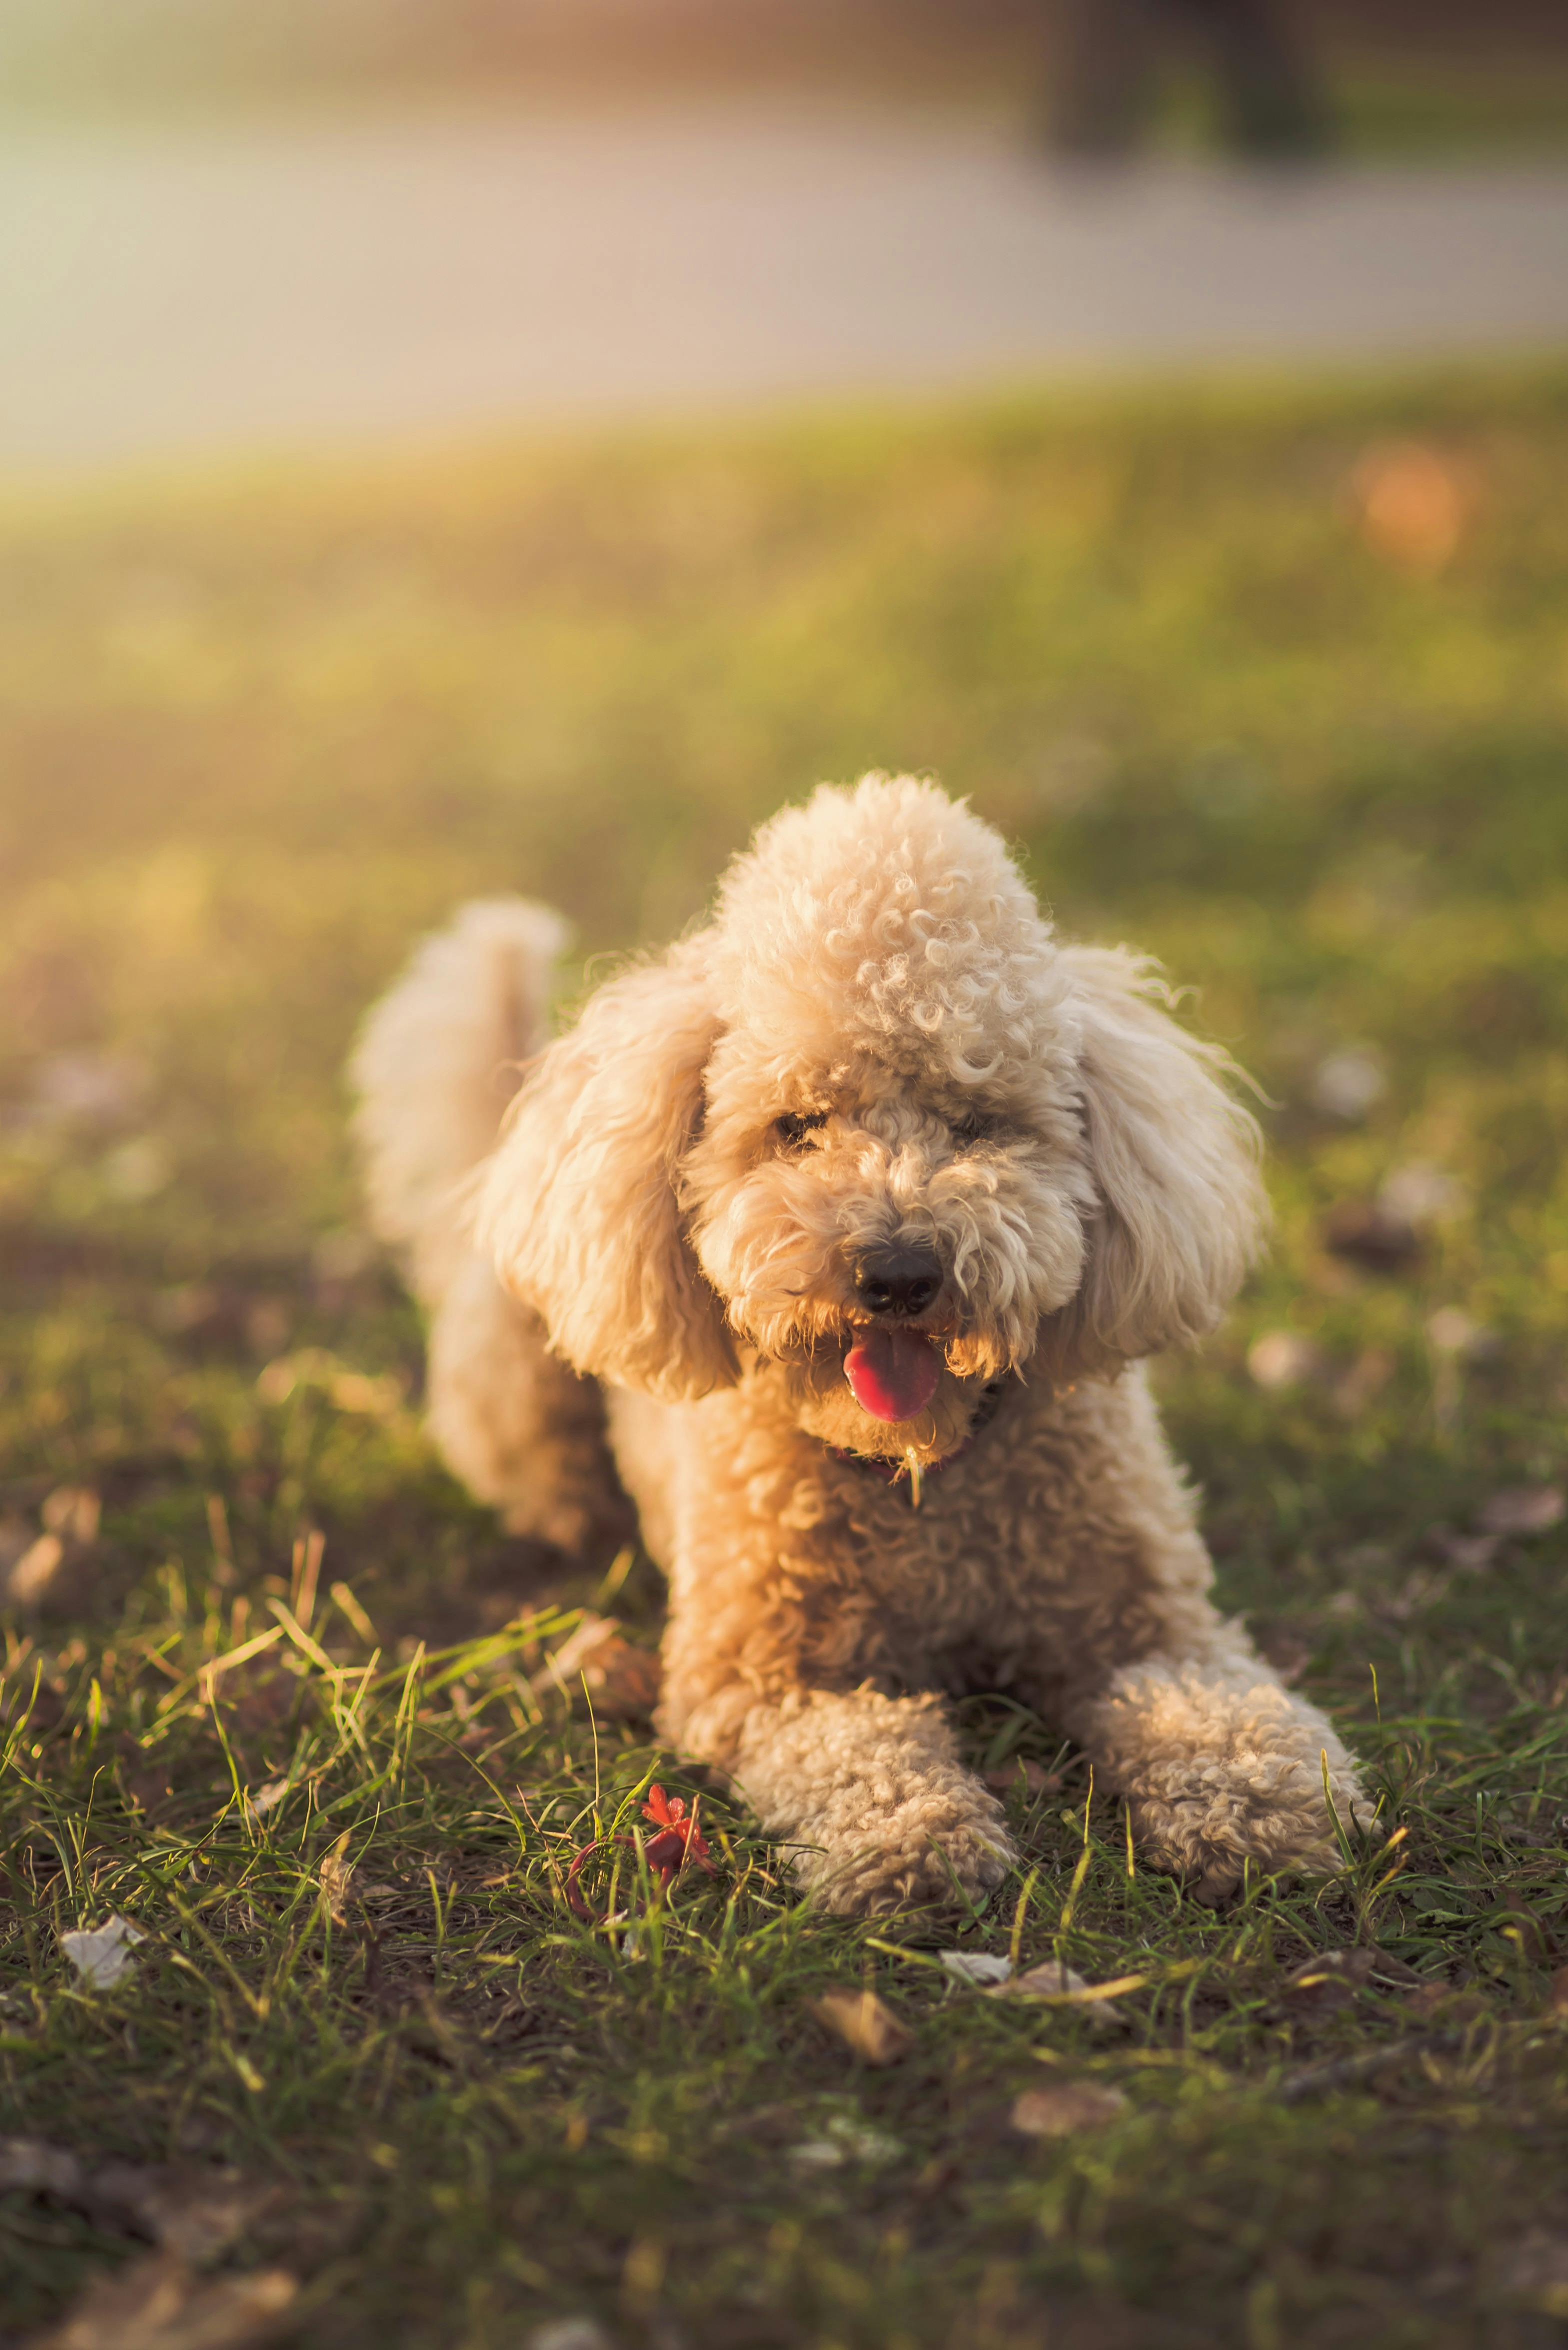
x: 964, y: 1572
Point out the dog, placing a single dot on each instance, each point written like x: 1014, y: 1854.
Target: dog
x: 849, y: 1223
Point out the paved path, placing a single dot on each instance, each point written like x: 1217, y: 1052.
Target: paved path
x: 271, y: 285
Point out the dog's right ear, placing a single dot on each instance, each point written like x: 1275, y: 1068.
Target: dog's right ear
x: 580, y: 1207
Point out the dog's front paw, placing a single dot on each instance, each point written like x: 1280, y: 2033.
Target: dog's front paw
x: 1270, y: 1813
x: 1222, y: 1767
x: 939, y: 1845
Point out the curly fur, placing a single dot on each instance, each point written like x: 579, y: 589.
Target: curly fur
x: 877, y: 976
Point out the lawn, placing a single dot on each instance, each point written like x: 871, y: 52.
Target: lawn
x: 1273, y: 683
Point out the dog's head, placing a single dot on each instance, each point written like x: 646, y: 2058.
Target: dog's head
x: 874, y: 1131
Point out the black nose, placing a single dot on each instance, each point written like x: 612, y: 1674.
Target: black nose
x: 896, y: 1281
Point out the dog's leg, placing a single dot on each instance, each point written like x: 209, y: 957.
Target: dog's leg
x: 515, y: 1424
x: 866, y: 1791
x: 1220, y: 1763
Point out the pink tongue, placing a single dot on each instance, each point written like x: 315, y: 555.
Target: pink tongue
x: 893, y: 1373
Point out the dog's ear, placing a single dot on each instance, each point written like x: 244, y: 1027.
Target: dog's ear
x: 580, y: 1206
x: 1174, y: 1162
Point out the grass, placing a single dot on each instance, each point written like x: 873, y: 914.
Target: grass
x: 1274, y: 683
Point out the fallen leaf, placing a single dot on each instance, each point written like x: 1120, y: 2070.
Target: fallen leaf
x: 978, y: 1967
x: 267, y: 1798
x: 335, y: 1875
x: 1062, y: 2108
x: 1328, y: 1982
x: 844, y: 2141
x: 72, y: 1512
x: 622, y: 1680
x: 102, y: 1955
x: 1284, y: 1358
x: 1470, y: 1554
x: 866, y: 2024
x: 1054, y: 1979
x: 569, y: 2333
x: 34, y: 1571
x: 159, y: 2303
x: 30, y: 2166
x: 1536, y: 2270
x: 196, y: 2212
x: 1522, y: 1510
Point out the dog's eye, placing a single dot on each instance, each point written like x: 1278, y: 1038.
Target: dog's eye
x: 971, y: 1130
x: 795, y: 1125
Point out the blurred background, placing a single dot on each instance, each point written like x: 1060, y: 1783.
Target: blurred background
x: 316, y: 225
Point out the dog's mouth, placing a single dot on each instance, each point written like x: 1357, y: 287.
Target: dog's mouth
x: 893, y: 1372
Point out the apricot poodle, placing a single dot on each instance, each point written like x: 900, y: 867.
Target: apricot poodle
x: 851, y: 1218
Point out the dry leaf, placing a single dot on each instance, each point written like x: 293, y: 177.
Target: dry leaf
x: 267, y: 1798
x: 195, y: 2212
x: 1284, y: 1358
x: 102, y: 1956
x: 29, y: 2167
x: 159, y: 2303
x: 1472, y: 1553
x: 336, y: 1880
x: 978, y: 1967
x: 1536, y: 2270
x: 44, y: 1568
x: 1324, y: 1983
x: 1522, y: 1510
x: 1331, y: 1979
x: 622, y: 1680
x: 72, y: 1512
x: 844, y: 2141
x: 1062, y: 2108
x: 1054, y: 1979
x: 34, y: 1571
x: 866, y: 2025
x: 569, y: 2333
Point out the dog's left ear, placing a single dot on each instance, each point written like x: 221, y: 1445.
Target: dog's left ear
x: 1174, y: 1162
x: 580, y: 1205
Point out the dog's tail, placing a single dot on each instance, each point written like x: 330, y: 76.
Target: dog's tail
x: 437, y: 1061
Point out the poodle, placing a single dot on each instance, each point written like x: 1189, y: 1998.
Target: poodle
x: 846, y: 1225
